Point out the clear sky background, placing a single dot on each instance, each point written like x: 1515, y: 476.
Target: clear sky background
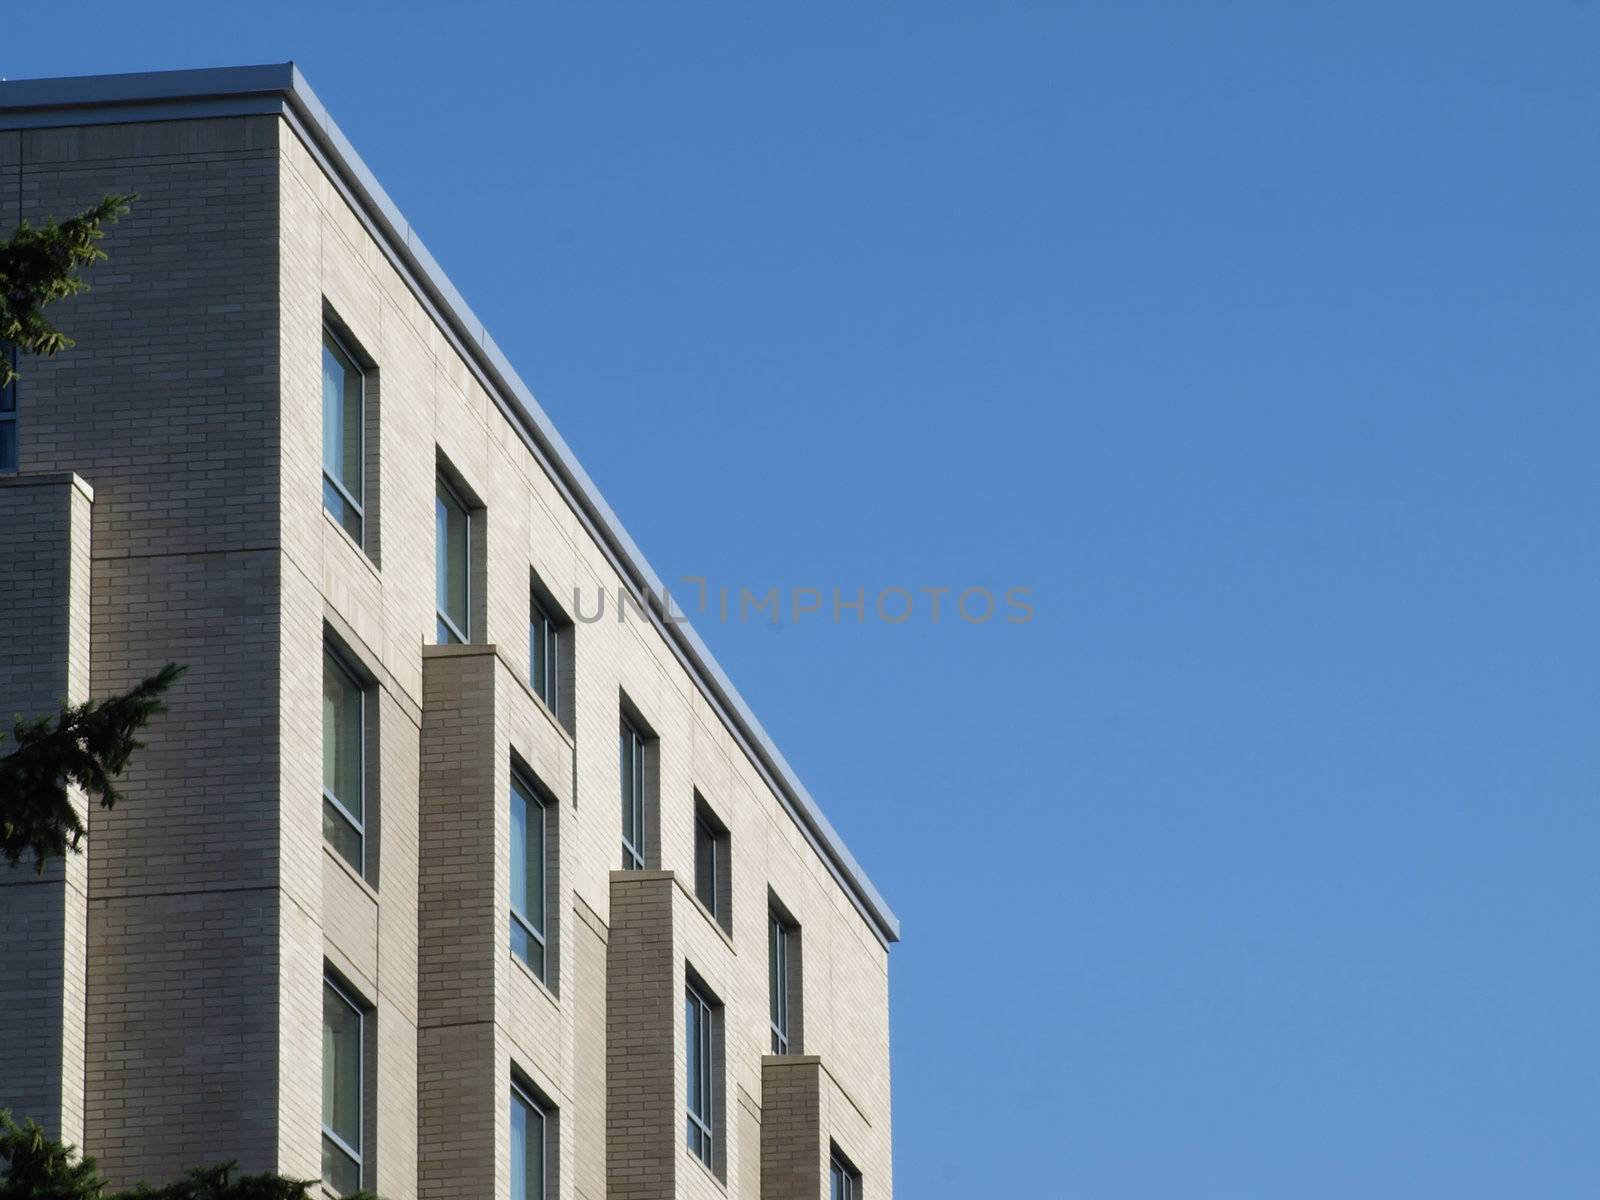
x: 1259, y: 340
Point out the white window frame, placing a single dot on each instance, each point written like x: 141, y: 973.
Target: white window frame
x: 779, y: 958
x: 355, y: 1153
x: 343, y: 347
x: 522, y: 1095
x: 333, y: 657
x: 462, y: 636
x: 632, y: 770
x: 847, y: 1178
x: 703, y: 828
x: 545, y: 628
x: 700, y: 1009
x: 522, y: 785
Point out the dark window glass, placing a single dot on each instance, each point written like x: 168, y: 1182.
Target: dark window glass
x: 527, y: 876
x: 452, y: 532
x: 8, y: 415
x: 778, y: 933
x: 705, y: 864
x: 341, y: 1091
x: 542, y: 639
x: 632, y: 768
x: 844, y: 1182
x: 697, y: 1039
x: 343, y: 761
x: 343, y: 410
x: 527, y: 1147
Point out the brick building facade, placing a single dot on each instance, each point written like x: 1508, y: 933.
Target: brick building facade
x: 363, y: 912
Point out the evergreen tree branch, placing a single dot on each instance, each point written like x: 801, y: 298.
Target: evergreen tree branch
x: 85, y: 746
x: 218, y: 1183
x: 39, y: 266
x: 37, y: 1167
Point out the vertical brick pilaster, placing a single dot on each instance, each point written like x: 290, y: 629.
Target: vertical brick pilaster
x: 44, y: 593
x: 643, y: 1011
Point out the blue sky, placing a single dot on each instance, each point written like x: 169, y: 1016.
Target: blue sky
x: 1258, y: 340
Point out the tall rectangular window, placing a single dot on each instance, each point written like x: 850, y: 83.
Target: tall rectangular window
x: 453, y: 531
x: 343, y: 761
x: 528, y: 848
x: 527, y: 1146
x: 844, y: 1181
x: 698, y: 1018
x: 341, y: 1090
x: 632, y: 798
x: 9, y: 454
x: 544, y: 636
x: 781, y: 939
x: 705, y: 863
x: 713, y: 865
x: 343, y: 438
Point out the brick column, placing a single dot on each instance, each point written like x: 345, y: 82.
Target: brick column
x: 44, y: 593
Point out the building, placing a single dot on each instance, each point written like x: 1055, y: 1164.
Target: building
x: 423, y: 883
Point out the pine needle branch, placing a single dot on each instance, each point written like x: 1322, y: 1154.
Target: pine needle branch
x: 39, y: 266
x: 85, y: 746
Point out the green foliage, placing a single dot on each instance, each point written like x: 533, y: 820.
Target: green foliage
x: 40, y: 1168
x: 86, y: 745
x: 218, y: 1183
x: 40, y: 266
x: 37, y: 1167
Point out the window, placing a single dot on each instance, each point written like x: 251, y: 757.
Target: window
x: 342, y: 1079
x: 528, y: 842
x: 705, y: 863
x: 8, y: 415
x: 844, y: 1181
x: 551, y: 646
x: 699, y: 1028
x: 783, y: 941
x: 632, y: 798
x: 343, y: 443
x: 343, y: 761
x: 454, y: 531
x: 712, y: 861
x: 527, y: 1146
x: 544, y: 636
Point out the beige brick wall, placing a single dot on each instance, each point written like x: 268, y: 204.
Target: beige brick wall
x: 587, y: 995
x: 432, y: 407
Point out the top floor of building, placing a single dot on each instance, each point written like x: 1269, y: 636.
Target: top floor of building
x: 395, y: 400
x: 304, y: 457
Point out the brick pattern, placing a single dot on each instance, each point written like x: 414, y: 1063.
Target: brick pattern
x: 44, y: 593
x: 794, y: 1150
x: 167, y: 406
x: 661, y: 938
x: 806, y: 1113
x: 643, y: 1001
x: 192, y: 405
x: 589, y: 1067
x: 457, y: 930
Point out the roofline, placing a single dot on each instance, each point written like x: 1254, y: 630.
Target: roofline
x: 281, y: 89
